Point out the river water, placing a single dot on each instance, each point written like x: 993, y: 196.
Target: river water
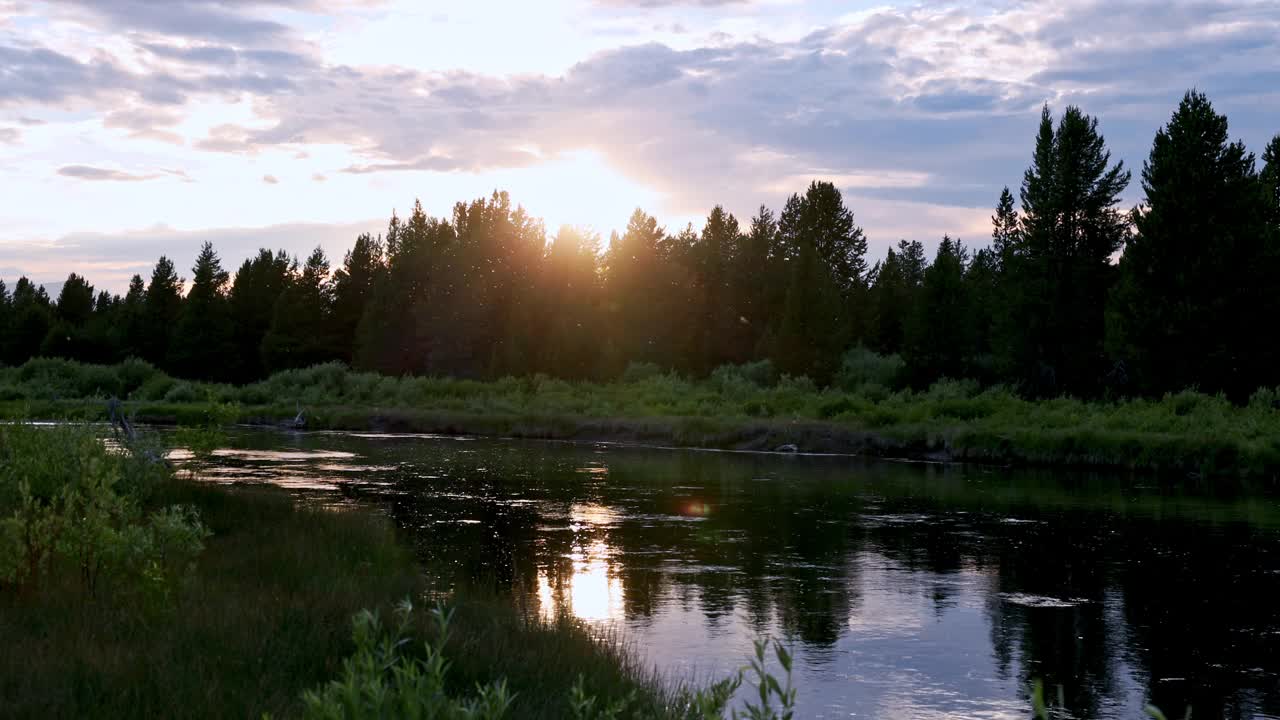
x: 906, y: 590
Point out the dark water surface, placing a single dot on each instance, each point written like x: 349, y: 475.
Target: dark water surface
x: 907, y: 590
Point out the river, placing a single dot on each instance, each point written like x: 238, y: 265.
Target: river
x: 905, y: 589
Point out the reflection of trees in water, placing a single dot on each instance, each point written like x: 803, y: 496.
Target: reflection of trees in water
x: 1165, y: 596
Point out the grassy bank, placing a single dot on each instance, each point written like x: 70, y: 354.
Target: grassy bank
x: 740, y: 408
x: 262, y: 614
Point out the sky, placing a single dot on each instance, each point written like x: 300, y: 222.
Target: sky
x: 135, y: 128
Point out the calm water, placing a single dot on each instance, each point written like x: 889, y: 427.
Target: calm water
x: 907, y: 590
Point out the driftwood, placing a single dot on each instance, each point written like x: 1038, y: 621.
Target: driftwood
x: 299, y: 421
x: 127, y: 434
x: 119, y: 422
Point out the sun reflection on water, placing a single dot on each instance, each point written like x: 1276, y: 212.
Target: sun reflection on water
x: 590, y: 590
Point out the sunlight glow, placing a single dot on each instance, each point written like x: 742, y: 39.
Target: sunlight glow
x: 591, y: 590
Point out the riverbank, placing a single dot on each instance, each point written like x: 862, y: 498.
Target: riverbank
x: 1183, y: 434
x: 263, y: 613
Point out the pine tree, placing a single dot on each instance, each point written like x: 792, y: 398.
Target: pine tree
x: 31, y: 317
x: 757, y: 284
x: 636, y: 276
x: 1184, y: 311
x: 1004, y: 229
x: 717, y: 321
x: 299, y: 336
x: 939, y: 339
x: 1270, y: 178
x: 354, y: 284
x: 407, y: 323
x: 893, y: 296
x: 1061, y: 272
x: 65, y: 338
x: 813, y: 329
x: 257, y: 288
x: 75, y: 301
x: 572, y: 305
x: 6, y: 321
x: 983, y: 288
x: 133, y: 320
x: 163, y: 305
x: 824, y: 246
x: 102, y: 338
x: 203, y: 340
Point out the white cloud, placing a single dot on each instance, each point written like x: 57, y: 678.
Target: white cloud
x: 920, y: 112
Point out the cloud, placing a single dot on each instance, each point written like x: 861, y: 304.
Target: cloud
x: 109, y: 259
x: 229, y: 21
x: 931, y: 103
x: 671, y: 3
x: 88, y: 172
x: 318, y: 177
x: 270, y: 180
x: 10, y: 136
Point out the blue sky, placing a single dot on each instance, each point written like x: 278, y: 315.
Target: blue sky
x: 132, y: 128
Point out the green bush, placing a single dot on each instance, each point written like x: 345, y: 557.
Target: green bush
x: 640, y: 371
x: 183, y: 392
x: 860, y: 366
x: 758, y: 374
x: 132, y: 373
x: 379, y: 680
x: 69, y: 504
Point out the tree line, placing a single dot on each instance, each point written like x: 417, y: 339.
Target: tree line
x: 1074, y: 294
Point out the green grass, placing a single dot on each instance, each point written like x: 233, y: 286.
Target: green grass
x: 742, y: 408
x: 265, y: 615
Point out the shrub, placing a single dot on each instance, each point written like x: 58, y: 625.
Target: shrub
x: 183, y: 392
x: 758, y: 374
x: 860, y: 366
x: 154, y: 388
x: 948, y: 389
x: 132, y: 373
x: 1265, y: 399
x: 640, y: 371
x: 72, y: 500
x: 380, y: 681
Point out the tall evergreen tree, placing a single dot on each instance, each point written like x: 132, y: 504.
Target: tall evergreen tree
x: 163, y: 305
x: 29, y: 324
x: 353, y: 286
x: 6, y: 321
x: 133, y: 320
x: 718, y: 318
x: 203, y: 340
x: 983, y: 289
x: 102, y: 332
x: 1185, y: 310
x: 635, y: 276
x: 827, y: 254
x: 939, y: 331
x: 572, y: 305
x: 65, y: 337
x: 1061, y: 272
x: 299, y: 335
x: 257, y: 288
x: 1270, y: 178
x: 893, y: 296
x: 813, y: 328
x: 75, y: 301
x: 757, y: 284
x: 1004, y: 229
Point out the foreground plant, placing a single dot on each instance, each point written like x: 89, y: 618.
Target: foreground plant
x: 380, y: 680
x: 69, y: 503
x: 384, y: 679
